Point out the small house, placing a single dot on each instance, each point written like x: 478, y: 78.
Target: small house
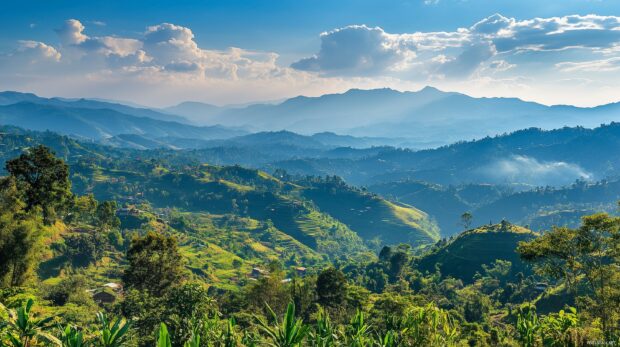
x: 258, y: 272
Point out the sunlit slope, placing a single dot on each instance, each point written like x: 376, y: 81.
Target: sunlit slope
x: 464, y: 255
x: 372, y: 217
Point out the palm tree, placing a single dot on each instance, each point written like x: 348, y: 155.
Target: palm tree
x: 26, y: 331
x: 290, y: 333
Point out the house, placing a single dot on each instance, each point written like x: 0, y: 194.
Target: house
x: 117, y: 287
x: 541, y: 286
x: 258, y: 272
x: 301, y: 271
x: 107, y: 293
x: 104, y: 297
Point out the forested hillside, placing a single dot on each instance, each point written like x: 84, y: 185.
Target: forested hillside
x: 181, y: 252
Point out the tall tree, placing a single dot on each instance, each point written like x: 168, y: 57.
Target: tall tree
x: 331, y: 287
x: 155, y: 264
x: 106, y: 214
x: 43, y: 179
x: 20, y: 236
x: 587, y: 255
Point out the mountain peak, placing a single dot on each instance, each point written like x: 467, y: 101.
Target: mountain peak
x: 430, y: 89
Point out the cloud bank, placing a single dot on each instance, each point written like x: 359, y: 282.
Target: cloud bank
x: 164, y: 63
x: 362, y: 51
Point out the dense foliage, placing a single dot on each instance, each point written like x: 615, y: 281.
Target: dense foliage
x: 155, y: 269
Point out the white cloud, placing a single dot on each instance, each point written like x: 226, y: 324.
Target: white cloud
x: 497, y: 56
x: 364, y: 51
x: 356, y: 50
x: 500, y: 66
x: 603, y: 65
x: 34, y: 51
x: 71, y: 32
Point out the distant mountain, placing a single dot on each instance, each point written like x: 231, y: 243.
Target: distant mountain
x: 531, y: 157
x: 197, y: 112
x: 9, y: 97
x: 135, y: 141
x: 97, y: 124
x: 426, y: 118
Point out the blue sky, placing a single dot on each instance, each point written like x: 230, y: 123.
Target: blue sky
x: 278, y: 50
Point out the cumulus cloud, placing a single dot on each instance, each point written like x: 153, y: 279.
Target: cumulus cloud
x: 71, y: 32
x: 34, y: 51
x: 524, y: 169
x: 356, y: 49
x: 163, y: 56
x: 362, y: 51
x: 490, y: 55
x: 72, y: 36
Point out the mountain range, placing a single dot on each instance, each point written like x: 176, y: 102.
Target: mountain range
x: 428, y: 117
x: 357, y: 118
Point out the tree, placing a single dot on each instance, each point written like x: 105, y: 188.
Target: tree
x: 466, y: 219
x: 84, y: 248
x: 587, y: 255
x: 155, y: 264
x: 106, y: 215
x: 185, y: 304
x: 20, y: 236
x: 331, y: 288
x: 43, y: 180
x: 155, y: 270
x: 386, y: 253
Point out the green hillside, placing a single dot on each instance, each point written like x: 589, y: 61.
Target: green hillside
x: 371, y: 216
x: 465, y: 254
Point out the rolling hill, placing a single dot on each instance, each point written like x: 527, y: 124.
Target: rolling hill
x: 152, y: 177
x: 464, y: 255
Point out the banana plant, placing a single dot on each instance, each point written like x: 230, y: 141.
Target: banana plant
x: 25, y: 330
x: 112, y: 334
x: 163, y: 338
x: 388, y: 340
x: 528, y: 325
x: 289, y: 333
x: 325, y: 334
x: 194, y: 340
x: 229, y: 336
x: 359, y: 331
x: 72, y: 337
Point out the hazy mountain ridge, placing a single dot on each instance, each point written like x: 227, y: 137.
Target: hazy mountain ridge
x: 96, y: 124
x: 421, y: 117
x: 10, y: 97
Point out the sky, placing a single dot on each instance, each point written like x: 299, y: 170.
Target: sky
x: 159, y: 53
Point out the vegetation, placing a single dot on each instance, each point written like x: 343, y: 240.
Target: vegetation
x: 201, y: 255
